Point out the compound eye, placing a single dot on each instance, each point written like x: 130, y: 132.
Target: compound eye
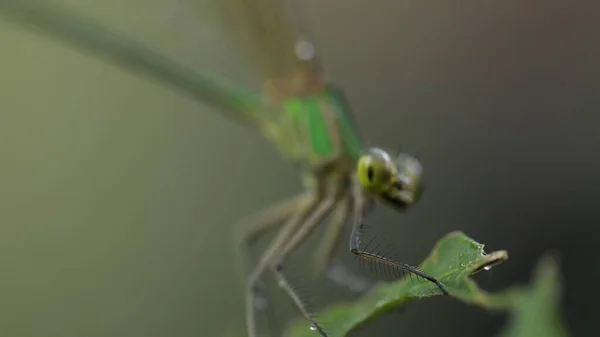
x: 405, y: 181
x: 373, y: 173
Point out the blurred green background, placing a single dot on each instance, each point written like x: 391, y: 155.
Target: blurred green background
x: 118, y: 195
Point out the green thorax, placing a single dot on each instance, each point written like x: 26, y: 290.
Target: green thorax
x: 316, y: 129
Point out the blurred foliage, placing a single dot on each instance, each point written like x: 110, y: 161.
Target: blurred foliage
x: 455, y: 257
x: 535, y: 308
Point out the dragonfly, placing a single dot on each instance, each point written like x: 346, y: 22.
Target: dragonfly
x: 303, y: 114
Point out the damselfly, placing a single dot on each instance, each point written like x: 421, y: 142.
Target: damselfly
x: 305, y: 117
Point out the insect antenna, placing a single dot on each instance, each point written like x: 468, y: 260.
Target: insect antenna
x: 399, y: 150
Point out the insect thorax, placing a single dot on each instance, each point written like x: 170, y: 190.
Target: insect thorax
x: 317, y: 130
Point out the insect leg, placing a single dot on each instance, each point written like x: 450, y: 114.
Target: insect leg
x: 357, y: 228
x: 320, y: 213
x: 253, y: 227
x: 332, y: 235
x: 337, y: 273
x: 305, y: 207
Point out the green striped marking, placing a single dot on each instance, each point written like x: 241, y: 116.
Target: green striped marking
x: 307, y: 115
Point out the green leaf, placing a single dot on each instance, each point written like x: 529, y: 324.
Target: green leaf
x: 535, y: 308
x: 454, y: 258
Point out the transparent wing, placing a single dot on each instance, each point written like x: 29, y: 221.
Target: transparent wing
x: 285, y: 57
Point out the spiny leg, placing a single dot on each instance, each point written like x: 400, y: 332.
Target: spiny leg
x: 338, y: 274
x: 287, y: 287
x: 305, y: 207
x: 322, y: 211
x: 253, y: 227
x: 357, y: 228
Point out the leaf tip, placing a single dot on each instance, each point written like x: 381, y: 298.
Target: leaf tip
x: 487, y: 261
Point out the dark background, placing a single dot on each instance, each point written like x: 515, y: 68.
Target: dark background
x: 119, y: 196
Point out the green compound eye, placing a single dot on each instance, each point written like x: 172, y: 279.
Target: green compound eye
x: 397, y: 180
x: 410, y: 173
x: 375, y: 171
